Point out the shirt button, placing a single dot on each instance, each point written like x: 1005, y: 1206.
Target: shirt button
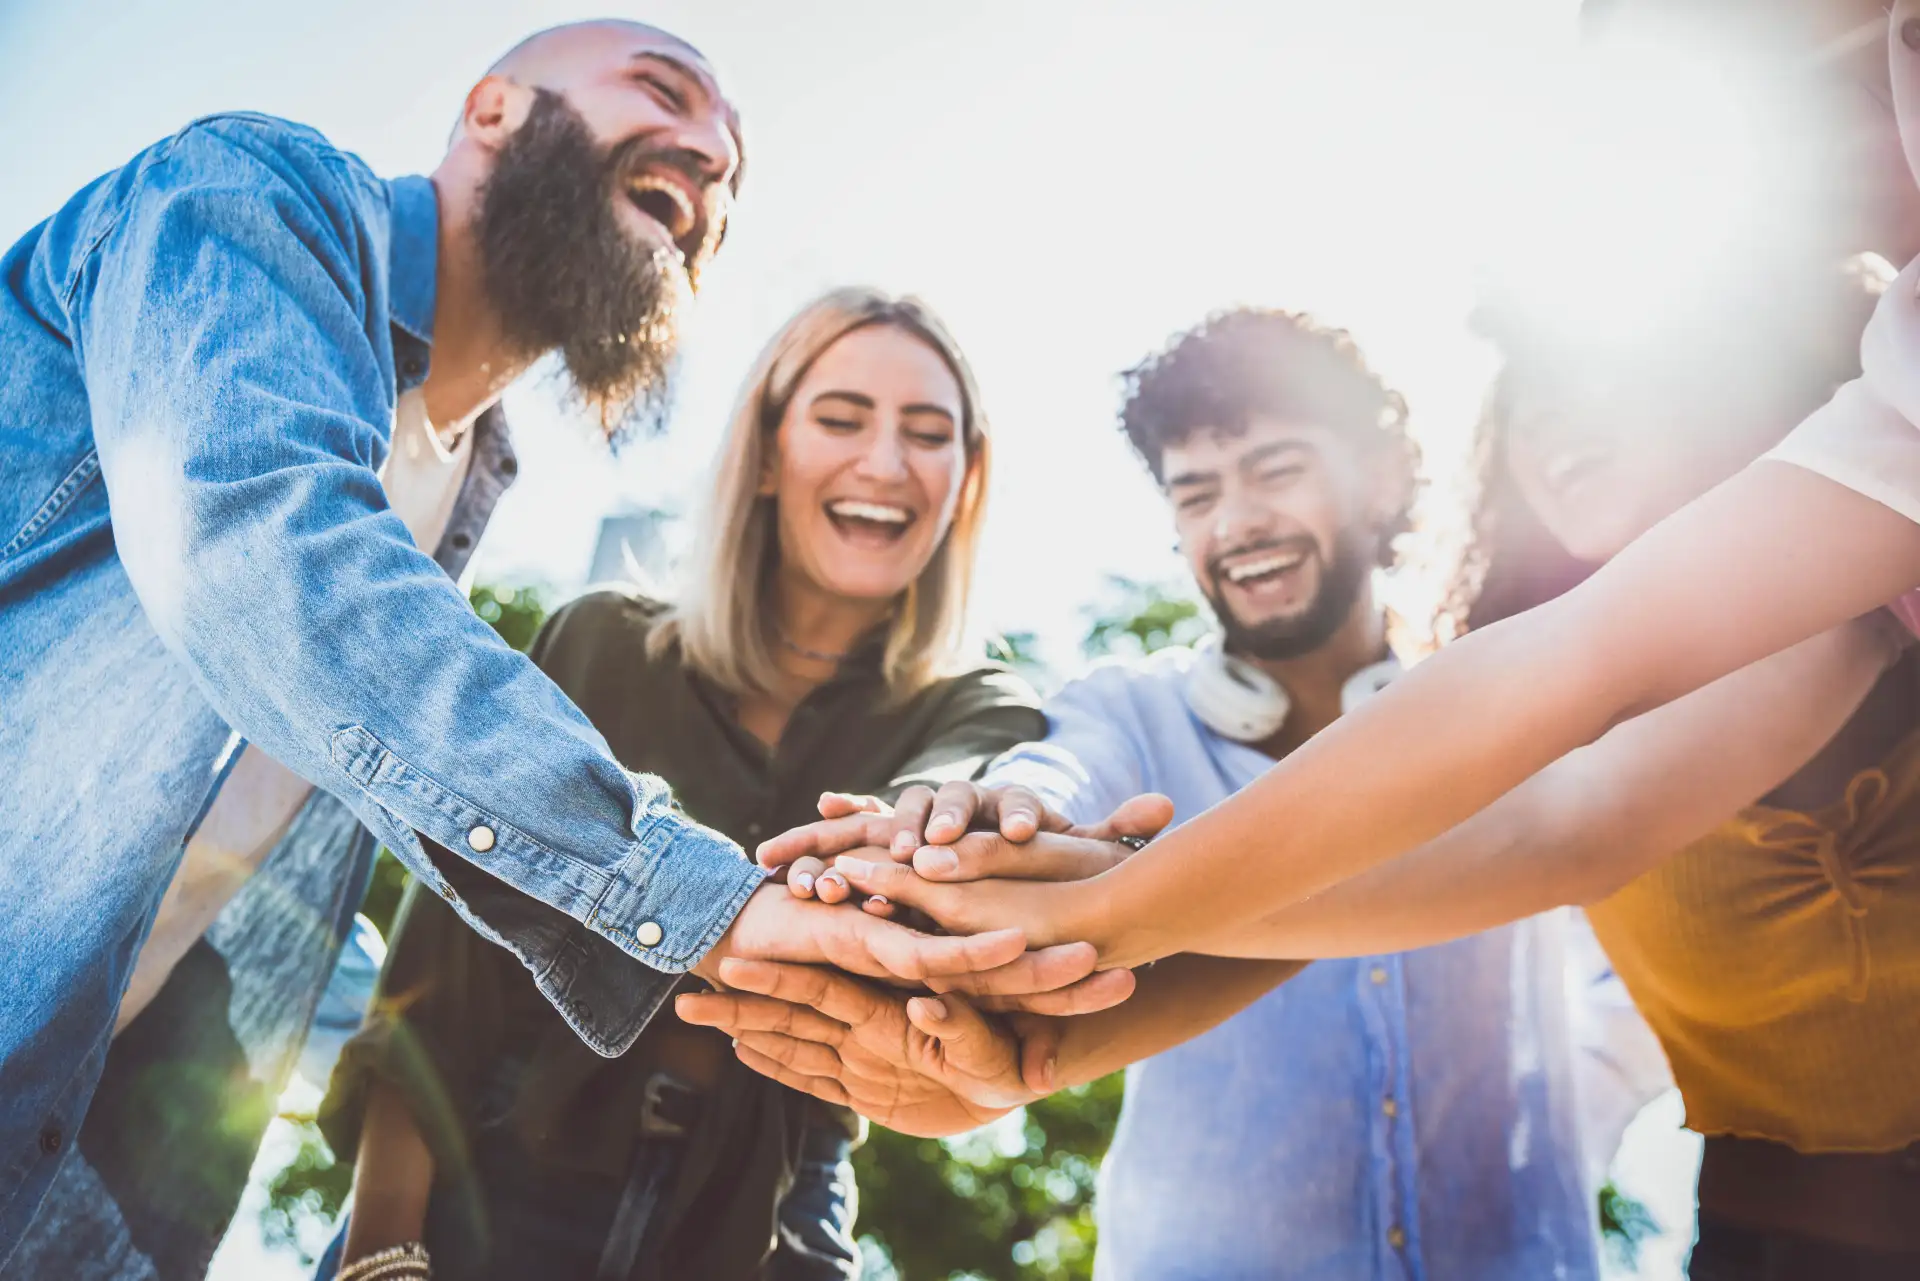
x: 50, y: 1139
x: 648, y: 934
x: 1378, y: 974
x: 480, y: 839
x: 1910, y: 33
x: 1390, y: 1108
x: 1396, y: 1238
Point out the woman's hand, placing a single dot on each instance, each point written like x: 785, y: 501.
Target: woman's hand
x: 928, y: 1066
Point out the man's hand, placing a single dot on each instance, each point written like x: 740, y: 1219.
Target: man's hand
x: 929, y: 1066
x: 775, y: 926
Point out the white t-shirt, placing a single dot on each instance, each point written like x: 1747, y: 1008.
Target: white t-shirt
x: 1867, y: 437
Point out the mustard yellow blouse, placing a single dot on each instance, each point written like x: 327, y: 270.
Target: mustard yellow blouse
x: 1778, y: 961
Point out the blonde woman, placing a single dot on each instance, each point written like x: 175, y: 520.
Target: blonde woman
x: 818, y: 645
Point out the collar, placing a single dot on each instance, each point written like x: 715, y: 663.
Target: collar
x: 413, y: 255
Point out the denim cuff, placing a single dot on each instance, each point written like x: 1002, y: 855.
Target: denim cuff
x: 670, y: 902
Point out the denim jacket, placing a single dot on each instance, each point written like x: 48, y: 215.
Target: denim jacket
x: 203, y: 351
x: 149, y: 1198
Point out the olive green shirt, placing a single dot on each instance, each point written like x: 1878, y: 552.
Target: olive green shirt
x: 451, y: 1008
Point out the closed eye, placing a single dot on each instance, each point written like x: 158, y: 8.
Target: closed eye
x: 670, y: 93
x: 837, y: 424
x: 932, y: 439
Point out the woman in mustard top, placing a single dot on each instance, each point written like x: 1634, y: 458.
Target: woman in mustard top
x: 1777, y: 953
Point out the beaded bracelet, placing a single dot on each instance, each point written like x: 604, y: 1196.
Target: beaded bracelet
x: 407, y: 1262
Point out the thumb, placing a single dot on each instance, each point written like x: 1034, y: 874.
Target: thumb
x: 971, y: 1046
x: 1040, y: 1038
x: 1144, y: 817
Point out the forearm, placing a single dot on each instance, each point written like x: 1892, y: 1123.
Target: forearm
x: 1176, y: 1000
x: 392, y: 1179
x: 1599, y: 817
x: 1720, y: 585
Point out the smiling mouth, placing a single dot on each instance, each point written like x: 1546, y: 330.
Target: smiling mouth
x: 1265, y: 568
x: 667, y: 203
x: 882, y: 523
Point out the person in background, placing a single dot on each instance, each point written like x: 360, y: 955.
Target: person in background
x: 819, y: 644
x: 1774, y: 953
x: 1394, y: 1115
x: 1822, y: 530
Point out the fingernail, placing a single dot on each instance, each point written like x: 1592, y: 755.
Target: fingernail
x: 855, y: 866
x: 938, y: 860
x: 903, y: 843
x: 880, y: 899
x: 804, y: 881
x: 933, y: 1009
x: 944, y: 822
x: 836, y: 878
x: 1046, y: 1073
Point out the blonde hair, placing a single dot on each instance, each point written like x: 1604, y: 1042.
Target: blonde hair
x: 722, y: 620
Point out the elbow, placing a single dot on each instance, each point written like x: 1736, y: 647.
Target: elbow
x: 151, y: 532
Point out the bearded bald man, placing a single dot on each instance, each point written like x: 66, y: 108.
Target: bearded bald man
x: 249, y: 385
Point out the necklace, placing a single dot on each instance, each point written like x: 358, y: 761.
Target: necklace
x: 813, y: 654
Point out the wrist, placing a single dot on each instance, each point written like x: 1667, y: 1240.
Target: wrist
x: 1099, y: 915
x: 708, y: 966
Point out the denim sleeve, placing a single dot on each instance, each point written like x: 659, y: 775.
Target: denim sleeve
x: 231, y: 322
x: 1090, y: 760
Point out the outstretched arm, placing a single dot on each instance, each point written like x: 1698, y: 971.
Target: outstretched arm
x: 1772, y: 557
x: 1598, y: 817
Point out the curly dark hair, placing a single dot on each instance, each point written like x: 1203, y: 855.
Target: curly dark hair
x: 1254, y: 362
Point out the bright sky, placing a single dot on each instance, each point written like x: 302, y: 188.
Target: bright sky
x: 1068, y: 183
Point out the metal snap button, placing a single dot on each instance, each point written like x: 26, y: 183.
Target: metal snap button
x: 648, y: 934
x: 480, y: 839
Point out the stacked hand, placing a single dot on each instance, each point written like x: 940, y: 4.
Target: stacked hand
x: 1018, y: 872
x: 926, y: 1065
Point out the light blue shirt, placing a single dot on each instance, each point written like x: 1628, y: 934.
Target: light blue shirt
x: 1401, y: 1118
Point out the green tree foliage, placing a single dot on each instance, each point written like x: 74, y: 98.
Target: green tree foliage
x: 1134, y: 618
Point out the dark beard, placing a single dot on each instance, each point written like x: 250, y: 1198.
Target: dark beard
x: 565, y: 276
x: 1279, y: 639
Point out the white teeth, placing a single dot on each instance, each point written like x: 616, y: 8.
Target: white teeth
x: 1265, y: 565
x: 683, y: 207
x: 879, y: 513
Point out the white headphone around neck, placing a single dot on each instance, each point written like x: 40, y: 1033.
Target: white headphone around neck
x: 1237, y: 700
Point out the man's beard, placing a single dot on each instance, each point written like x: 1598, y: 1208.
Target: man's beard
x: 1278, y: 639
x: 566, y: 276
